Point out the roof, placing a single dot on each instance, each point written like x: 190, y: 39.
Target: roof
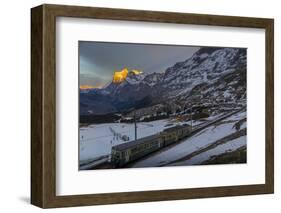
x: 173, y: 128
x: 131, y: 144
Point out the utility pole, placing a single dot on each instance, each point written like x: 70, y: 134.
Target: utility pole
x: 191, y: 116
x: 135, y: 121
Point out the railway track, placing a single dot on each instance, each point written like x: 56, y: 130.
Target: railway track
x: 204, y: 125
x: 93, y: 164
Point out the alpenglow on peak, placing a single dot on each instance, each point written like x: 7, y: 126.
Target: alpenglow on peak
x: 121, y: 75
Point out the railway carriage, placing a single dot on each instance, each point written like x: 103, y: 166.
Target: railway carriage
x: 127, y: 152
x: 173, y: 134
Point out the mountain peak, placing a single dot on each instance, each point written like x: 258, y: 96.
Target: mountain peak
x: 120, y: 76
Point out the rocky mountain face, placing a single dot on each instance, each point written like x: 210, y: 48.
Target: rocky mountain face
x: 210, y: 75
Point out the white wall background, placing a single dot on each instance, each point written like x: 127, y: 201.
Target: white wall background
x: 15, y: 105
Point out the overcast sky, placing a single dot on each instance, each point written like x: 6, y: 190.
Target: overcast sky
x: 99, y: 60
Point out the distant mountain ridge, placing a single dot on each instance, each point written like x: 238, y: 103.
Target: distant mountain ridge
x: 209, y: 73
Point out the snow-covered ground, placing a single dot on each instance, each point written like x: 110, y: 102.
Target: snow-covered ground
x: 199, y: 141
x: 97, y: 140
x: 229, y: 146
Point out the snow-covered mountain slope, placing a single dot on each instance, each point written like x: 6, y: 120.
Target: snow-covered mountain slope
x: 96, y: 141
x: 234, y: 138
x: 206, y: 65
x: 211, y: 73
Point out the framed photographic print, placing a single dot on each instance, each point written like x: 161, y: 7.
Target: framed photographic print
x: 136, y: 106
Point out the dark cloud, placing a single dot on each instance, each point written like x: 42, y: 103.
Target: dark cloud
x: 98, y: 60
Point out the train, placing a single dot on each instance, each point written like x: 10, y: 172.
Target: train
x: 125, y: 153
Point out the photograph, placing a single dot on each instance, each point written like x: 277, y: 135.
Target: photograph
x: 161, y: 105
x: 140, y: 105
